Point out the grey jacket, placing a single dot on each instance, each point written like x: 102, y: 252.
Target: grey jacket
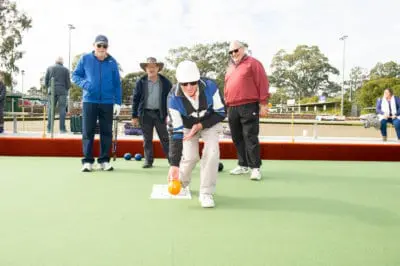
x: 62, y: 81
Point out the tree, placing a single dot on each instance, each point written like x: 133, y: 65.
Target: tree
x: 373, y: 89
x: 169, y: 74
x: 279, y: 97
x: 387, y: 70
x: 303, y: 73
x: 129, y: 83
x: 211, y: 59
x: 7, y: 78
x: 43, y: 88
x: 33, y: 91
x: 12, y: 24
x: 76, y: 92
x: 357, y: 76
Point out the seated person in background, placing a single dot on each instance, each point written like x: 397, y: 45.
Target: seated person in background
x: 2, y: 101
x: 388, y: 110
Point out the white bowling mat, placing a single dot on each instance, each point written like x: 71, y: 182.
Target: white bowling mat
x: 161, y: 192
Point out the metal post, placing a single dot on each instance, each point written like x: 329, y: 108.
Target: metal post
x: 14, y: 116
x: 22, y: 84
x: 70, y: 28
x: 52, y: 106
x: 23, y: 101
x: 343, y: 38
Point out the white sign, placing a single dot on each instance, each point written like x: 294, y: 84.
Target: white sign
x: 291, y: 102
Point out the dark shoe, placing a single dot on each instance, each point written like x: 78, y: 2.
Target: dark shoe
x: 1, y: 129
x: 147, y: 165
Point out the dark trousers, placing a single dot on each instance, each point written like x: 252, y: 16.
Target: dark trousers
x: 90, y: 113
x: 395, y: 123
x: 61, y: 100
x: 244, y: 125
x: 149, y: 120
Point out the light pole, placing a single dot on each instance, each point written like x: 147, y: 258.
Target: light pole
x: 343, y: 38
x: 70, y: 28
x: 22, y: 85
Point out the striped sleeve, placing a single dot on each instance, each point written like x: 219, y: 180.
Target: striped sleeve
x: 175, y: 128
x: 218, y: 114
x: 176, y: 124
x: 218, y: 106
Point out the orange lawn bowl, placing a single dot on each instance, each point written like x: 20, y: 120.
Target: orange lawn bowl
x: 174, y: 186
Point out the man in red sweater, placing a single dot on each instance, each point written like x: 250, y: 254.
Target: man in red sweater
x: 246, y: 95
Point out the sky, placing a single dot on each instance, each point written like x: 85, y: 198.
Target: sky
x: 138, y: 29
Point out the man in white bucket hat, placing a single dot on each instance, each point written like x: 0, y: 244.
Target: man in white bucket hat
x: 195, y: 108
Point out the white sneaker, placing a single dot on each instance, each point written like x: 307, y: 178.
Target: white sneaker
x: 106, y: 166
x: 240, y: 170
x: 87, y: 167
x: 255, y: 174
x: 206, y: 201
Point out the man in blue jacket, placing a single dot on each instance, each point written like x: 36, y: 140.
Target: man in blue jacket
x: 2, y: 101
x: 97, y: 74
x: 195, y: 108
x: 150, y: 107
x: 388, y: 110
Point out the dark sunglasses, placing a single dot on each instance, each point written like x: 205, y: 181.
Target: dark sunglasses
x: 99, y: 45
x: 234, y: 51
x: 191, y: 83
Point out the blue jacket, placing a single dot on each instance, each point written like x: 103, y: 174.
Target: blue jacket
x: 379, y: 106
x: 139, y: 96
x: 182, y: 114
x: 99, y: 80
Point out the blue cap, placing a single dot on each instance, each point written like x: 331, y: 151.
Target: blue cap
x: 101, y: 39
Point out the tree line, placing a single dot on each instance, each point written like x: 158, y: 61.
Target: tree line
x: 302, y: 74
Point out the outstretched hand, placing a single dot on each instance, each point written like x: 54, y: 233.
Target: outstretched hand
x: 173, y: 173
x: 196, y: 128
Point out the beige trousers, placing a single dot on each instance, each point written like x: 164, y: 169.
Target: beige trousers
x: 209, y: 161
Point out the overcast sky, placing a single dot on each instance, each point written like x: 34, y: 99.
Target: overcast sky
x: 140, y: 28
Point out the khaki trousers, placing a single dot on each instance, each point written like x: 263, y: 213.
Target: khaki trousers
x: 209, y: 161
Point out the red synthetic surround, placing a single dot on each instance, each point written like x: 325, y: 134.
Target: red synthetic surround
x: 18, y: 146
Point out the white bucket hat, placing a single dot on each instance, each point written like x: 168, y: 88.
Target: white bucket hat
x: 187, y: 71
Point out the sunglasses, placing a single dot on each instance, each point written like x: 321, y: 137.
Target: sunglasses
x: 99, y: 45
x: 234, y: 51
x: 184, y: 84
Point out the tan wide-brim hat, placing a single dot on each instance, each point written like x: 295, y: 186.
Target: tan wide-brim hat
x: 151, y: 60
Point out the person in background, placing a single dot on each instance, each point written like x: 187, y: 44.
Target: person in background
x: 150, y: 107
x: 2, y: 101
x: 246, y: 94
x: 62, y: 84
x: 388, y: 110
x: 97, y: 73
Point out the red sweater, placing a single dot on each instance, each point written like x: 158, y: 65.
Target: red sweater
x: 246, y: 82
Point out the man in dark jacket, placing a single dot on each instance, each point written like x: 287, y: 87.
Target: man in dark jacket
x: 62, y: 83
x: 2, y: 101
x: 150, y: 107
